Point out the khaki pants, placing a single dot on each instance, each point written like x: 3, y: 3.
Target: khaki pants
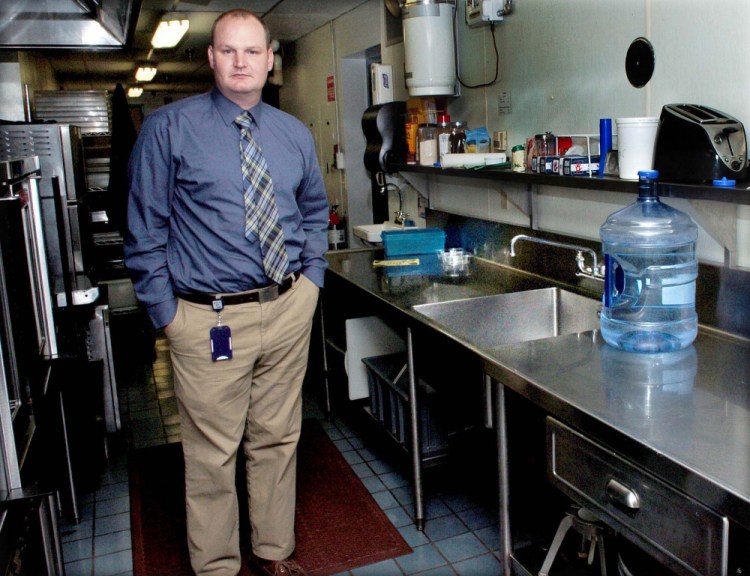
x: 254, y: 399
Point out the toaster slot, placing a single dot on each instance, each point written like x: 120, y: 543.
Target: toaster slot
x: 703, y: 115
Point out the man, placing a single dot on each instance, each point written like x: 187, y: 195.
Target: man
x: 197, y: 265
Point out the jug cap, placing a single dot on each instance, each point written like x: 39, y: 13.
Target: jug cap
x: 650, y: 174
x: 725, y: 183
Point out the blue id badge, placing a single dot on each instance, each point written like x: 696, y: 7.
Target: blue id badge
x: 221, y: 343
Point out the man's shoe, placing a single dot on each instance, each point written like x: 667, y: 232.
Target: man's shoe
x: 286, y: 567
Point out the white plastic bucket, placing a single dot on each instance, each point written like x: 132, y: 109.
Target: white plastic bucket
x: 635, y: 145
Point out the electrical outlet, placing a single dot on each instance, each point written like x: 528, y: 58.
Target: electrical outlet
x: 492, y: 10
x: 473, y: 12
x: 500, y: 141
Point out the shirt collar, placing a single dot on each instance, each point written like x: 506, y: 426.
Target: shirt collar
x: 228, y: 110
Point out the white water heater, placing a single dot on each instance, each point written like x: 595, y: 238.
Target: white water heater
x: 429, y: 47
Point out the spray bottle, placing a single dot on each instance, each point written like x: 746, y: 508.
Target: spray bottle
x: 336, y: 229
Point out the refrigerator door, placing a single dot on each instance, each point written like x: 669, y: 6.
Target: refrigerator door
x: 62, y: 186
x: 38, y: 272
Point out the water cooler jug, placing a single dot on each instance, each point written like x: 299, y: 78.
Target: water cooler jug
x: 651, y: 269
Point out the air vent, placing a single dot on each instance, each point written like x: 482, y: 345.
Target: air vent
x: 89, y: 109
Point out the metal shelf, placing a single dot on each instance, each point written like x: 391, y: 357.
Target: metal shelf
x: 740, y: 194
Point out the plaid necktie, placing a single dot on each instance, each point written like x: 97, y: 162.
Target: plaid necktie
x: 261, y: 214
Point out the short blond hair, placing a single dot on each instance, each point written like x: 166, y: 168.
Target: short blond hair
x: 243, y: 14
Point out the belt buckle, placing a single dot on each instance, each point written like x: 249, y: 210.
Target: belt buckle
x: 268, y: 294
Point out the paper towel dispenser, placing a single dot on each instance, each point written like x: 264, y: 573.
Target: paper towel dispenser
x: 383, y: 126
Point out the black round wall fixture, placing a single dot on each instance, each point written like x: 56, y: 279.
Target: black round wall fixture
x: 639, y: 62
x: 393, y: 7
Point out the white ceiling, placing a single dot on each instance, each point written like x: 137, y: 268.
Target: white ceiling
x: 184, y: 68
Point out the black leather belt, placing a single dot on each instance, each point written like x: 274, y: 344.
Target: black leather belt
x: 265, y: 294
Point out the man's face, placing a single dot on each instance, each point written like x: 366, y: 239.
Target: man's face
x: 240, y: 59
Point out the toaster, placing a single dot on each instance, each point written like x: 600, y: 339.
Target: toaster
x: 696, y: 143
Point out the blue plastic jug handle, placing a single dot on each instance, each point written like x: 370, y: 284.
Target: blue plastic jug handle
x: 614, y: 281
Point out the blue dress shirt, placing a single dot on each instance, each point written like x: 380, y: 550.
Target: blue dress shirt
x: 186, y: 215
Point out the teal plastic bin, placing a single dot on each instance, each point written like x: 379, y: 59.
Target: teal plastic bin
x: 412, y: 241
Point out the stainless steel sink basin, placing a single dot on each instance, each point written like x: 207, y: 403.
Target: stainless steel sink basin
x: 489, y: 321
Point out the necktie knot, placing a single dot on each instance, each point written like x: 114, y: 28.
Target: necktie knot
x: 244, y: 120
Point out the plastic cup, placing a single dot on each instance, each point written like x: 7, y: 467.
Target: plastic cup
x: 635, y: 145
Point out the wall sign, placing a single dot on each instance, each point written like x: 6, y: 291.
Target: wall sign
x: 331, y: 89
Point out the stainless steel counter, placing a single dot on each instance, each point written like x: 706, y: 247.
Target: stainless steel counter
x: 684, y: 417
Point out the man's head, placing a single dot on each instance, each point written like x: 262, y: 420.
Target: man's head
x: 240, y: 56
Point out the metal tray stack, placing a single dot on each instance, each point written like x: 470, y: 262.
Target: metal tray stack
x: 91, y: 110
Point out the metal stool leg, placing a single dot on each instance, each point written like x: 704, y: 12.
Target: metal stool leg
x: 592, y: 531
x: 602, y: 557
x: 557, y: 541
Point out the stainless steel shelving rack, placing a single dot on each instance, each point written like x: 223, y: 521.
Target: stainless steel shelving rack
x: 740, y: 194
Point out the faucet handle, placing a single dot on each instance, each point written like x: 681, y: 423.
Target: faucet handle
x: 595, y: 271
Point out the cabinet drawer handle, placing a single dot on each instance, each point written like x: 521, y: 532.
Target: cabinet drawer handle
x: 622, y: 496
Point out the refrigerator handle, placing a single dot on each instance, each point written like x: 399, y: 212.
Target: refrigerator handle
x: 62, y: 239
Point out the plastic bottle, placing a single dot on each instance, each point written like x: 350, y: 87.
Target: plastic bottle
x: 444, y: 128
x: 651, y: 269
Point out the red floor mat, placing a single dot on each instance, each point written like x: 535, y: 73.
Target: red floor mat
x: 339, y: 525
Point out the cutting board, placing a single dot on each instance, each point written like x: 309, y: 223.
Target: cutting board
x: 365, y: 337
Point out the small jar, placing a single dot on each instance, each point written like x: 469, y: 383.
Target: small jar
x: 427, y: 145
x: 458, y: 138
x: 518, y: 158
x: 444, y: 130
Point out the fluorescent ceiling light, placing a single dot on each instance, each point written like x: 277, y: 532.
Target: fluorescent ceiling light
x: 135, y: 91
x: 145, y: 73
x: 169, y: 33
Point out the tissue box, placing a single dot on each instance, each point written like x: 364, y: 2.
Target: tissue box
x: 411, y: 241
x: 580, y: 165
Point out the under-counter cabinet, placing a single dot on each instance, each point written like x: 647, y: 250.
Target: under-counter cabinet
x: 576, y: 506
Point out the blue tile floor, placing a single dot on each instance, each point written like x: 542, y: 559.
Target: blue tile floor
x: 461, y: 529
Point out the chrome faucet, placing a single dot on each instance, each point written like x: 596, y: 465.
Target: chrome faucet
x: 594, y: 271
x: 400, y: 216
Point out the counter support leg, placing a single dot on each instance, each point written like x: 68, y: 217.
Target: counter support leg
x: 326, y: 384
x: 502, y: 457
x: 415, y: 440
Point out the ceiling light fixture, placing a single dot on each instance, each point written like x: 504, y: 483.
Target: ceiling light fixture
x: 135, y: 92
x: 169, y: 33
x: 145, y: 73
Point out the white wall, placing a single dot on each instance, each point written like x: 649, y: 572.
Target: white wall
x: 11, y: 92
x: 19, y: 69
x: 563, y: 64
x: 304, y: 94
